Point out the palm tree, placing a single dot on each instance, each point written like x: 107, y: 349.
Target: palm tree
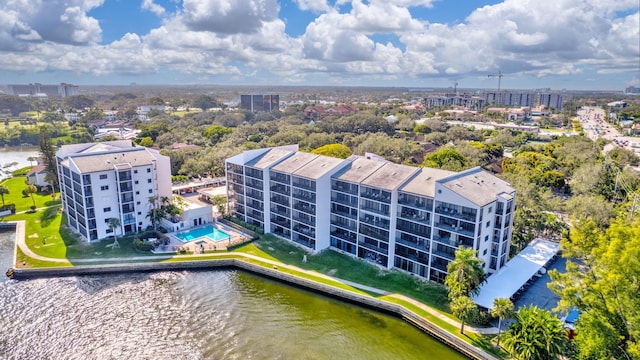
x: 3, y: 191
x: 114, y: 223
x: 536, y: 334
x: 463, y: 308
x: 502, y: 308
x: 31, y: 159
x: 465, y: 274
x: 156, y: 213
x: 29, y: 191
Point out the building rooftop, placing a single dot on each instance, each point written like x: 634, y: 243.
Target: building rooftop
x: 66, y: 150
x: 390, y: 176
x: 88, y: 163
x: 269, y: 158
x: 359, y: 169
x: 477, y: 186
x: 318, y: 167
x: 423, y: 183
x: 295, y: 162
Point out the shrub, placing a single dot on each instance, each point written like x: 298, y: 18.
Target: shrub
x: 142, y: 245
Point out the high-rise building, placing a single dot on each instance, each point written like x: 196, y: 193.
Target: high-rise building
x: 550, y: 100
x: 260, y: 102
x: 396, y: 216
x: 113, y: 179
x: 62, y: 90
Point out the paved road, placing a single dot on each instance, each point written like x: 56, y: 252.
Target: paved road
x: 593, y: 120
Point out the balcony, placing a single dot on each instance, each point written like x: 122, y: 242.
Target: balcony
x: 309, y: 220
x: 344, y: 200
x: 377, y: 196
x: 281, y: 189
x: 280, y: 200
x: 374, y: 221
x: 281, y: 211
x: 454, y: 213
x: 418, y: 244
x: 444, y: 254
x: 344, y: 235
x: 305, y: 196
x: 285, y: 223
x: 309, y: 209
x: 305, y: 230
x: 454, y: 228
x: 419, y: 257
x: 345, y: 187
x: 373, y: 247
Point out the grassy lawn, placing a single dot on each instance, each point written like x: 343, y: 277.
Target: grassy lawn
x: 348, y: 268
x: 24, y: 203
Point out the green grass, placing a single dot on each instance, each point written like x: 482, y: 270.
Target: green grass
x: 24, y: 203
x: 348, y: 268
x: 24, y: 261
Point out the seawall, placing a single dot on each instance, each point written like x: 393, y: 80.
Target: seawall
x: 444, y: 336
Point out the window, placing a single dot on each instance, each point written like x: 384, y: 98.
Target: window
x: 484, y: 252
x: 488, y: 223
x: 104, y: 187
x: 139, y: 212
x: 103, y: 176
x: 109, y: 231
x: 486, y: 238
x: 149, y: 170
x: 137, y: 202
x: 137, y: 192
x: 107, y: 209
x: 135, y: 171
x: 150, y: 191
x: 490, y: 209
x: 149, y: 181
x: 136, y: 182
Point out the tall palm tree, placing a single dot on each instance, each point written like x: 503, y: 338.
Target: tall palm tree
x: 502, y: 308
x: 30, y: 190
x: 536, y: 334
x: 465, y: 273
x: 463, y: 308
x: 114, y: 223
x: 3, y: 191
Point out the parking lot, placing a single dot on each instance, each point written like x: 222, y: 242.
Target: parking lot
x: 538, y: 293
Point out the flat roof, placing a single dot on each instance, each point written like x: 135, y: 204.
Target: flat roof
x: 88, y: 163
x: 477, y: 185
x: 359, y: 169
x: 294, y: 162
x: 390, y: 176
x: 424, y: 183
x: 318, y: 167
x: 269, y: 158
x: 516, y: 272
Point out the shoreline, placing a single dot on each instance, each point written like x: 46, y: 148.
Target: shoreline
x: 243, y: 262
x: 273, y: 273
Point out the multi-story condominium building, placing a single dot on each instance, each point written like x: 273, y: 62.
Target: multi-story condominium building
x: 114, y: 179
x: 550, y: 100
x: 392, y: 215
x: 260, y: 102
x: 62, y: 90
x: 510, y: 98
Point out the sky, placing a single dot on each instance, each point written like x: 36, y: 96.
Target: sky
x: 557, y: 44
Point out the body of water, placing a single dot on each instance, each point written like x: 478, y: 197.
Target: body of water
x: 193, y: 315
x: 19, y: 155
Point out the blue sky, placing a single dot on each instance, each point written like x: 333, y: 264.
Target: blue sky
x: 558, y: 44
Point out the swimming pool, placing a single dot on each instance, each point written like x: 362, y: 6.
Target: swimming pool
x: 208, y: 231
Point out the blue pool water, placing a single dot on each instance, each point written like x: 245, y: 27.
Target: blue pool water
x: 208, y: 231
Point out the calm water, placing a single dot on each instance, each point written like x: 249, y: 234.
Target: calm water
x: 19, y: 155
x: 192, y: 315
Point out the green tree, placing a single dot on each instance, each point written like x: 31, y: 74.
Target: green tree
x: 422, y: 129
x: 535, y: 335
x: 502, y: 308
x: 114, y: 223
x: 465, y: 273
x: 445, y: 158
x: 220, y: 202
x: 604, y: 287
x: 146, y: 141
x: 48, y: 153
x: 156, y: 212
x: 334, y: 150
x: 3, y: 191
x: 14, y: 104
x: 79, y: 102
x: 29, y: 191
x: 204, y: 102
x: 216, y: 132
x: 464, y: 309
x: 156, y: 100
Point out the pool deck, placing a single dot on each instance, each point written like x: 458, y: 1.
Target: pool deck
x: 196, y: 246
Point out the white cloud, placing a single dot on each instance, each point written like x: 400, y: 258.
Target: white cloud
x: 313, y: 5
x: 153, y: 7
x: 228, y: 16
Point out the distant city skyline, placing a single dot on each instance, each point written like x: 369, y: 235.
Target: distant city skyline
x: 557, y: 44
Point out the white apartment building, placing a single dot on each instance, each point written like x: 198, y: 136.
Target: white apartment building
x: 114, y: 179
x: 392, y: 215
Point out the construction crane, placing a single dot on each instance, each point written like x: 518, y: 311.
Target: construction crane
x: 499, y: 76
x: 455, y: 87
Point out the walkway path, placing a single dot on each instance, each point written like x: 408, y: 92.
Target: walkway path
x: 21, y: 243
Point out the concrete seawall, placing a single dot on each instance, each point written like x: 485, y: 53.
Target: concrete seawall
x: 444, y: 336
